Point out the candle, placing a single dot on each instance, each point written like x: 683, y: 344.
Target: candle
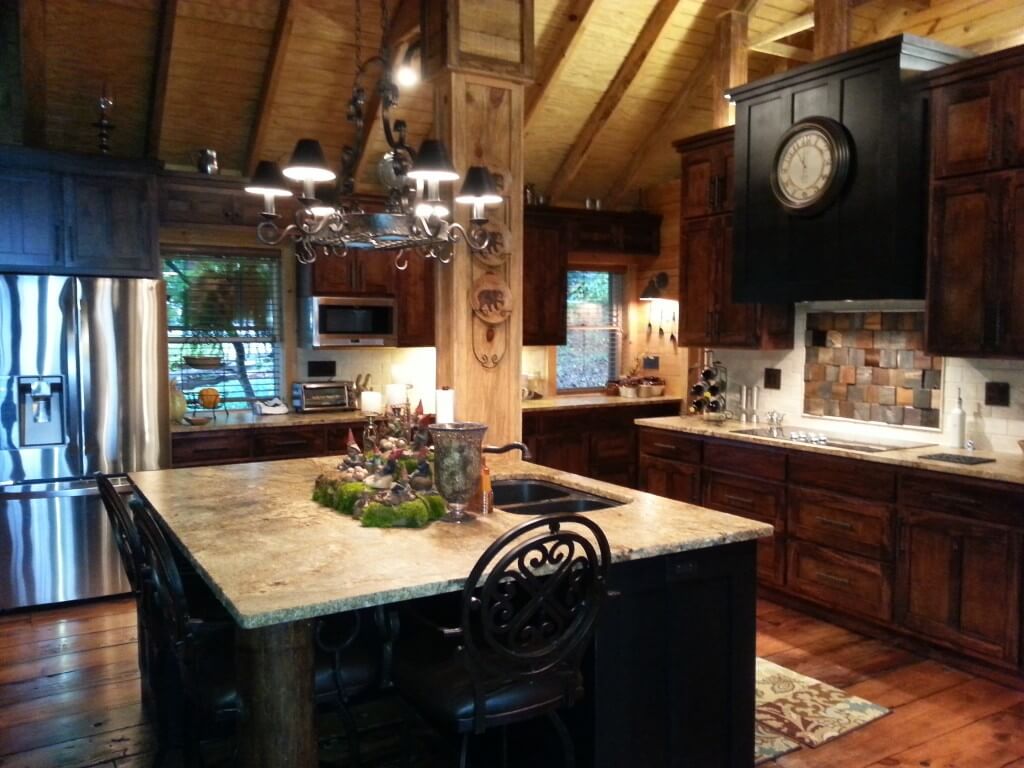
x: 445, y: 406
x: 395, y: 394
x: 370, y: 402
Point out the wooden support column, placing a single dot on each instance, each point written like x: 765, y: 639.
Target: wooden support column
x: 729, y: 65
x: 480, y: 64
x: 831, y: 27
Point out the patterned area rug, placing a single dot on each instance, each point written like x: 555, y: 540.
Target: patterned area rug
x: 795, y: 711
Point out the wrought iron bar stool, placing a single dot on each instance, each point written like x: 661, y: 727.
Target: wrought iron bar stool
x: 528, y: 611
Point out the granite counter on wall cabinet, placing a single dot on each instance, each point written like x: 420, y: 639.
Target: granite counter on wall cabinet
x: 568, y: 402
x: 1004, y: 467
x: 249, y: 420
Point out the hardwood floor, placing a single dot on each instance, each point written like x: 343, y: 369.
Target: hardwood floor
x: 69, y: 695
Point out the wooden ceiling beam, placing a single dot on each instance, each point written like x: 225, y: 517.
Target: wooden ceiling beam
x: 161, y: 69
x: 32, y: 31
x: 271, y: 81
x: 656, y: 22
x: 785, y: 51
x: 831, y: 27
x: 562, y: 50
x: 798, y: 24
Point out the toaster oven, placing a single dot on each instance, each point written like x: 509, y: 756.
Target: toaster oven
x: 324, y: 396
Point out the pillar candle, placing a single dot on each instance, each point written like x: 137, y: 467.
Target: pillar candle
x: 395, y: 394
x: 371, y: 402
x: 445, y: 406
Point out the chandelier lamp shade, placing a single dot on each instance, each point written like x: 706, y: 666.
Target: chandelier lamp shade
x: 416, y: 219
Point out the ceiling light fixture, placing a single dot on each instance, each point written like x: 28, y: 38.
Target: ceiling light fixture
x: 415, y: 217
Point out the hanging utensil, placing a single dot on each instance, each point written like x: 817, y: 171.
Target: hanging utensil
x: 675, y: 327
x: 661, y: 321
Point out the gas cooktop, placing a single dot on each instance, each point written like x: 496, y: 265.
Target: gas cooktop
x: 831, y: 439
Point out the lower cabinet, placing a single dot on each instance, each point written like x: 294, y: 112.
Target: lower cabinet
x: 598, y: 442
x: 959, y: 584
x: 232, y: 446
x: 923, y: 554
x: 671, y: 479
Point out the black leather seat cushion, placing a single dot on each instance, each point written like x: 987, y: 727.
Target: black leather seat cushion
x: 443, y: 691
x: 359, y: 669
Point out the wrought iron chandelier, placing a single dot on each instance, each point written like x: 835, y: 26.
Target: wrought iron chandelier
x: 415, y: 218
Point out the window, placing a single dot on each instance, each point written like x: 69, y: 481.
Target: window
x: 224, y: 307
x: 590, y: 356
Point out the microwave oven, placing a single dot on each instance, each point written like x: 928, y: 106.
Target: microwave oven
x: 347, y: 321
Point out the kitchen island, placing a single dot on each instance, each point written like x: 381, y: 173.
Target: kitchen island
x: 671, y: 676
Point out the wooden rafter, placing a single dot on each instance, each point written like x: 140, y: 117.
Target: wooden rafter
x: 404, y: 29
x: 649, y: 34
x: 785, y: 51
x: 670, y: 115
x: 271, y: 80
x: 793, y: 26
x: 161, y: 69
x: 562, y: 50
x: 32, y: 28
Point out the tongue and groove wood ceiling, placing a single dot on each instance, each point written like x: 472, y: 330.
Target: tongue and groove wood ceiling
x: 618, y: 80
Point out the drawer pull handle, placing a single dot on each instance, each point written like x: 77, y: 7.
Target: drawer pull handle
x: 287, y: 443
x: 841, y: 524
x: 665, y: 446
x: 830, y: 578
x: 954, y: 498
x: 745, y: 501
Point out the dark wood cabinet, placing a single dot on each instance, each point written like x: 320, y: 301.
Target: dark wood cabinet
x: 545, y: 281
x: 931, y: 556
x: 63, y: 214
x: 31, y: 236
x: 414, y: 294
x: 976, y: 266
x: 967, y: 127
x: 672, y: 479
x: 977, y: 118
x: 709, y: 315
x: 190, y: 199
x: 708, y: 173
x: 109, y: 225
x: 357, y: 273
x: 260, y: 443
x: 960, y: 584
x: 598, y: 442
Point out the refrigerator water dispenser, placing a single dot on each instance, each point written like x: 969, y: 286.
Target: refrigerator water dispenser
x: 41, y: 410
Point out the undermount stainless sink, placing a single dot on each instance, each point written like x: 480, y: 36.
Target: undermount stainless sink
x: 539, y: 497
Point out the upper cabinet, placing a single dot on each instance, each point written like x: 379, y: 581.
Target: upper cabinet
x: 63, y: 214
x: 549, y: 235
x: 977, y: 124
x: 545, y: 264
x: 976, y: 217
x: 709, y: 315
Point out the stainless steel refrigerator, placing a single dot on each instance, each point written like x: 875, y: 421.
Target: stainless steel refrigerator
x: 83, y: 388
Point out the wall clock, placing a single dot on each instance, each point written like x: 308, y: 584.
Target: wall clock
x: 812, y: 163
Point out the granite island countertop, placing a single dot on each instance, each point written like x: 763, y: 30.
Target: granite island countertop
x: 272, y: 555
x: 1005, y: 467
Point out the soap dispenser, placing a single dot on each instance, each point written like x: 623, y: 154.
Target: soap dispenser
x: 958, y: 423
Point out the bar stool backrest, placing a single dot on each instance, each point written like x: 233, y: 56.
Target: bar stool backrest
x: 163, y: 580
x: 126, y: 536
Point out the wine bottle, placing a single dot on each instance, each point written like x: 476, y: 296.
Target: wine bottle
x: 698, y: 405
x: 697, y: 390
x: 714, y: 406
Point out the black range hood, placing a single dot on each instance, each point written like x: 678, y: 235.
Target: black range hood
x: 865, y: 239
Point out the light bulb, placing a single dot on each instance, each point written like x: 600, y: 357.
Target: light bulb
x: 407, y: 76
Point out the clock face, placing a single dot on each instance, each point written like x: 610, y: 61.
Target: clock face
x: 811, y: 165
x: 806, y: 167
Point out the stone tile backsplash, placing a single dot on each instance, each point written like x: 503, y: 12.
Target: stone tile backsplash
x: 870, y: 366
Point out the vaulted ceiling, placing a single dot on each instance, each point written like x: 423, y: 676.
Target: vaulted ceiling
x: 617, y: 81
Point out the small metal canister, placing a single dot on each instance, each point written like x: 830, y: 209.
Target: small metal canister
x: 206, y: 161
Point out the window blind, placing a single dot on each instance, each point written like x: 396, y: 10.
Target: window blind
x: 226, y: 306
x: 594, y: 313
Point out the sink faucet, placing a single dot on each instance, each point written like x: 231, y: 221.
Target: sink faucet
x: 521, y: 447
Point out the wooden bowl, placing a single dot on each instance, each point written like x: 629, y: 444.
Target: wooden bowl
x: 204, y: 362
x: 197, y: 421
